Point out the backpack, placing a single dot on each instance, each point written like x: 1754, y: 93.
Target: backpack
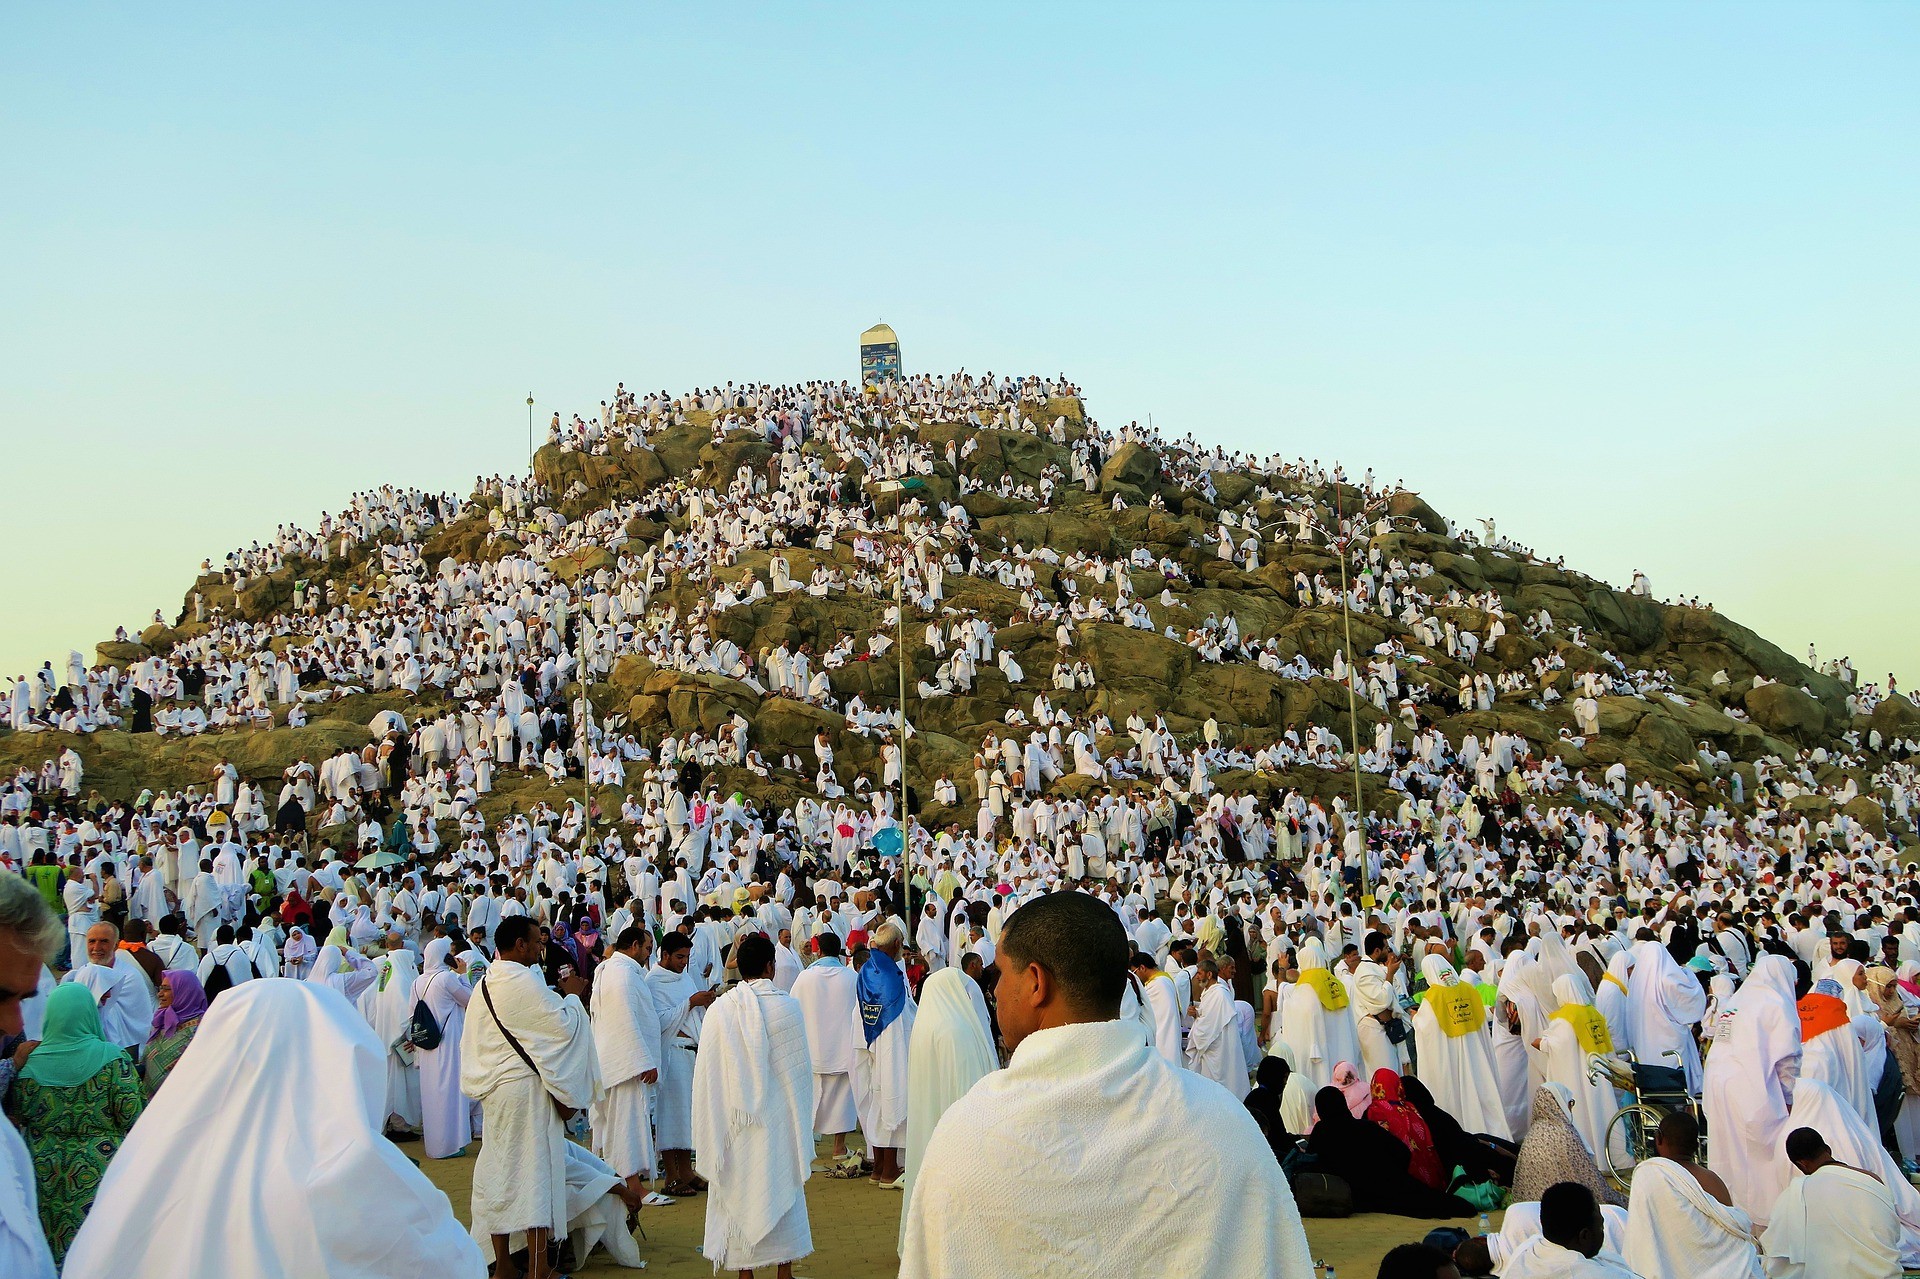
x: 1321, y: 1194
x: 423, y: 1033
x: 219, y: 981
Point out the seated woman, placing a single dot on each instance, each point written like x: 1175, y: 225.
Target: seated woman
x: 1373, y: 1163
x: 1554, y: 1151
x: 1482, y: 1157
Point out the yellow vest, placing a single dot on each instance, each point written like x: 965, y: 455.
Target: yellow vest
x: 1457, y: 1008
x: 1333, y: 995
x: 1589, y: 1028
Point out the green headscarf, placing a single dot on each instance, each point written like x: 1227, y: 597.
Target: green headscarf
x: 72, y: 1050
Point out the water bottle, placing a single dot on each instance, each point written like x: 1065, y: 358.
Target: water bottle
x: 1330, y: 1274
x: 1486, y: 1225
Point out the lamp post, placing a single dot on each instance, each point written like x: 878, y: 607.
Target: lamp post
x: 529, y: 434
x: 586, y: 724
x: 1353, y: 705
x: 900, y: 642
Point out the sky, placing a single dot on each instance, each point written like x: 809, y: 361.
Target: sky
x: 1639, y: 281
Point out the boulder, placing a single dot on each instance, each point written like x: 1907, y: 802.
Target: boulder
x: 1785, y: 711
x: 1133, y: 466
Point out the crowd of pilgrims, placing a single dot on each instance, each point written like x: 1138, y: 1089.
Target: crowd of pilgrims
x: 1407, y: 1003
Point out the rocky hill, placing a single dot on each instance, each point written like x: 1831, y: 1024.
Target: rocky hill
x: 1700, y: 678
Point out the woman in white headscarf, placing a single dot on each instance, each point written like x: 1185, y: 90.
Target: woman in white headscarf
x: 1610, y: 998
x: 1575, y: 1032
x: 1316, y: 1019
x: 388, y: 1007
x: 343, y: 970
x: 1867, y: 1026
x: 1664, y: 1003
x: 1750, y: 1076
x: 1456, y: 1061
x: 446, y: 1114
x: 264, y: 1156
x: 948, y: 1053
x: 298, y: 954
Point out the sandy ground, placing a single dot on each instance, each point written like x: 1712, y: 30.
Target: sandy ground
x: 856, y: 1226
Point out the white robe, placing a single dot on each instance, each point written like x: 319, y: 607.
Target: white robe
x: 1213, y: 1045
x: 752, y: 1131
x: 626, y: 1035
x: 1837, y: 1224
x: 446, y: 1113
x: 880, y: 1079
x: 520, y: 1178
x: 829, y: 1002
x: 1019, y: 1177
x: 23, y: 1244
x: 265, y: 1153
x: 1750, y: 1076
x: 1458, y: 1069
x: 679, y: 1035
x: 1676, y: 1230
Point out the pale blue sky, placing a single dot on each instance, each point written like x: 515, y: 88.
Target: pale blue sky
x: 1638, y: 280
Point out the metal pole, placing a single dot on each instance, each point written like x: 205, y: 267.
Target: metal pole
x: 900, y: 642
x: 1353, y: 706
x: 586, y: 723
x: 529, y: 434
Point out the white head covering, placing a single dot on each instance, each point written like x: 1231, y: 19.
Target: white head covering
x: 948, y: 1054
x: 325, y: 965
x: 277, y: 1107
x: 434, y: 957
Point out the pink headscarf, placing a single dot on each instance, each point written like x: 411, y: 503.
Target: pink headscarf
x: 1346, y: 1077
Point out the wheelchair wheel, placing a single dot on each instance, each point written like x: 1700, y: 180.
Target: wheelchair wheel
x: 1629, y: 1141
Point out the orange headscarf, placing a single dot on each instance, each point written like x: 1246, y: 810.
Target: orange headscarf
x: 1821, y: 1013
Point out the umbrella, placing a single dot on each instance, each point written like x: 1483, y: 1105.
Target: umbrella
x: 387, y: 722
x: 887, y: 841
x: 382, y: 860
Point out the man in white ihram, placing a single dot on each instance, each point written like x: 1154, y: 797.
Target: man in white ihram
x: 524, y: 1053
x: 752, y: 1120
x: 1026, y: 1174
x: 119, y: 987
x: 830, y: 1004
x: 626, y: 1036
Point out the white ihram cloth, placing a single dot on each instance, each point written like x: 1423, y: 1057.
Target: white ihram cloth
x: 626, y: 1037
x: 752, y: 1131
x: 1019, y: 1176
x: 830, y: 1005
x: 1664, y: 1003
x: 1162, y: 1009
x: 520, y: 1178
x: 23, y: 1244
x: 1320, y: 1039
x: 446, y: 1113
x: 880, y: 1079
x: 1837, y: 1224
x: 594, y: 1214
x: 125, y: 1000
x: 1457, y: 1069
x: 1541, y: 1258
x: 679, y: 1035
x: 949, y: 1054
x: 1520, y: 1230
x: 388, y: 1007
x: 264, y: 1156
x: 1750, y: 1076
x: 1213, y: 1045
x: 1818, y: 1107
x: 1676, y: 1230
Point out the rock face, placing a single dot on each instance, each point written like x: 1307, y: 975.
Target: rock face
x: 1702, y: 667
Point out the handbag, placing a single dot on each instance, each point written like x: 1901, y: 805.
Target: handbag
x: 423, y: 1033
x: 565, y: 1112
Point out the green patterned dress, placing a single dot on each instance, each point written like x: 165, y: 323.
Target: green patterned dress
x: 163, y: 1054
x: 73, y: 1134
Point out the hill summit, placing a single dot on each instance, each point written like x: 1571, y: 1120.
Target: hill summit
x: 1085, y: 608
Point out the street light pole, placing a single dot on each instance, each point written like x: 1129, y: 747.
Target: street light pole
x: 529, y: 434
x: 900, y: 642
x: 1353, y: 706
x: 586, y: 723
